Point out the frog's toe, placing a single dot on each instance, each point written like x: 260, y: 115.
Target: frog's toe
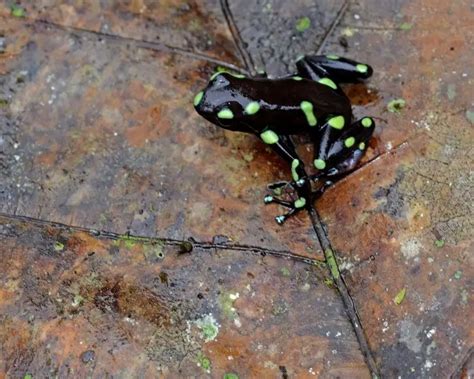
x: 300, y: 183
x: 277, y: 185
x: 268, y: 199
x: 280, y: 220
x: 272, y: 199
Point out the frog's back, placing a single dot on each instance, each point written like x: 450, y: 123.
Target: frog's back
x: 291, y: 106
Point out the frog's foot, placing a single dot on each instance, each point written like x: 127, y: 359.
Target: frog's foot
x: 294, y: 206
x: 339, y: 69
x: 284, y: 187
x: 280, y: 220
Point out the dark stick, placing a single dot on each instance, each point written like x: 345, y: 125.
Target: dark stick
x: 249, y: 64
x: 332, y: 27
x: 343, y: 291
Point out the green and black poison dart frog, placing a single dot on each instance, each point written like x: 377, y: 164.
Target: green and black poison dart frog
x: 309, y: 102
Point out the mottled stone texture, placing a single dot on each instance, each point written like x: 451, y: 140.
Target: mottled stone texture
x: 97, y: 131
x: 77, y: 303
x: 405, y: 221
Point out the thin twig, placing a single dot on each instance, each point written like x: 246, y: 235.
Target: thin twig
x: 143, y: 44
x: 333, y: 26
x: 331, y: 261
x: 241, y: 46
x: 166, y: 241
x: 343, y: 291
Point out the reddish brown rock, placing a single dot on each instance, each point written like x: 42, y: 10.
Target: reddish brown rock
x: 403, y: 223
x: 77, y: 303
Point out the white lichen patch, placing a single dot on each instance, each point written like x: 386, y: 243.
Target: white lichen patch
x: 410, y: 248
x: 346, y: 265
x: 409, y: 332
x: 234, y: 296
x: 430, y: 333
x: 208, y: 326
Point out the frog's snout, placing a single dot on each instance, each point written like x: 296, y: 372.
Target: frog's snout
x: 202, y: 106
x: 198, y: 100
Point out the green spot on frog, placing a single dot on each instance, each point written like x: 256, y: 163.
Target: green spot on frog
x: 328, y: 82
x: 332, y: 57
x: 319, y: 164
x: 336, y: 122
x: 367, y: 122
x: 300, y: 203
x: 226, y: 114
x: 349, y: 142
x: 362, y: 68
x: 400, y: 296
x: 307, y: 108
x: 361, y: 146
x: 252, y: 108
x: 269, y: 137
x: 221, y: 70
x: 302, y: 24
x: 297, y: 78
x: 213, y: 76
x: 294, y: 166
x: 198, y: 98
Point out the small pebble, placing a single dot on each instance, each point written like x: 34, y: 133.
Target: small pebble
x: 88, y: 356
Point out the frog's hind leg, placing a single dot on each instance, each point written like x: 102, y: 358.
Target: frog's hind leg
x: 313, y: 71
x: 335, y: 157
x: 295, y: 206
x: 338, y: 69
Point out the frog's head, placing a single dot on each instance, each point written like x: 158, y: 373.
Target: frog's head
x: 220, y: 102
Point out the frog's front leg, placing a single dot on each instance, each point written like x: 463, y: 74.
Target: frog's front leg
x: 328, y: 69
x: 284, y: 147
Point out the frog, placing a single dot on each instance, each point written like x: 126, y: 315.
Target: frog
x: 308, y: 102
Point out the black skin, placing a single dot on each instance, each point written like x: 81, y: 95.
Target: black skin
x: 310, y: 102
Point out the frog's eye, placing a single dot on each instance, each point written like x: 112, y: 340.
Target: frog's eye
x: 219, y: 79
